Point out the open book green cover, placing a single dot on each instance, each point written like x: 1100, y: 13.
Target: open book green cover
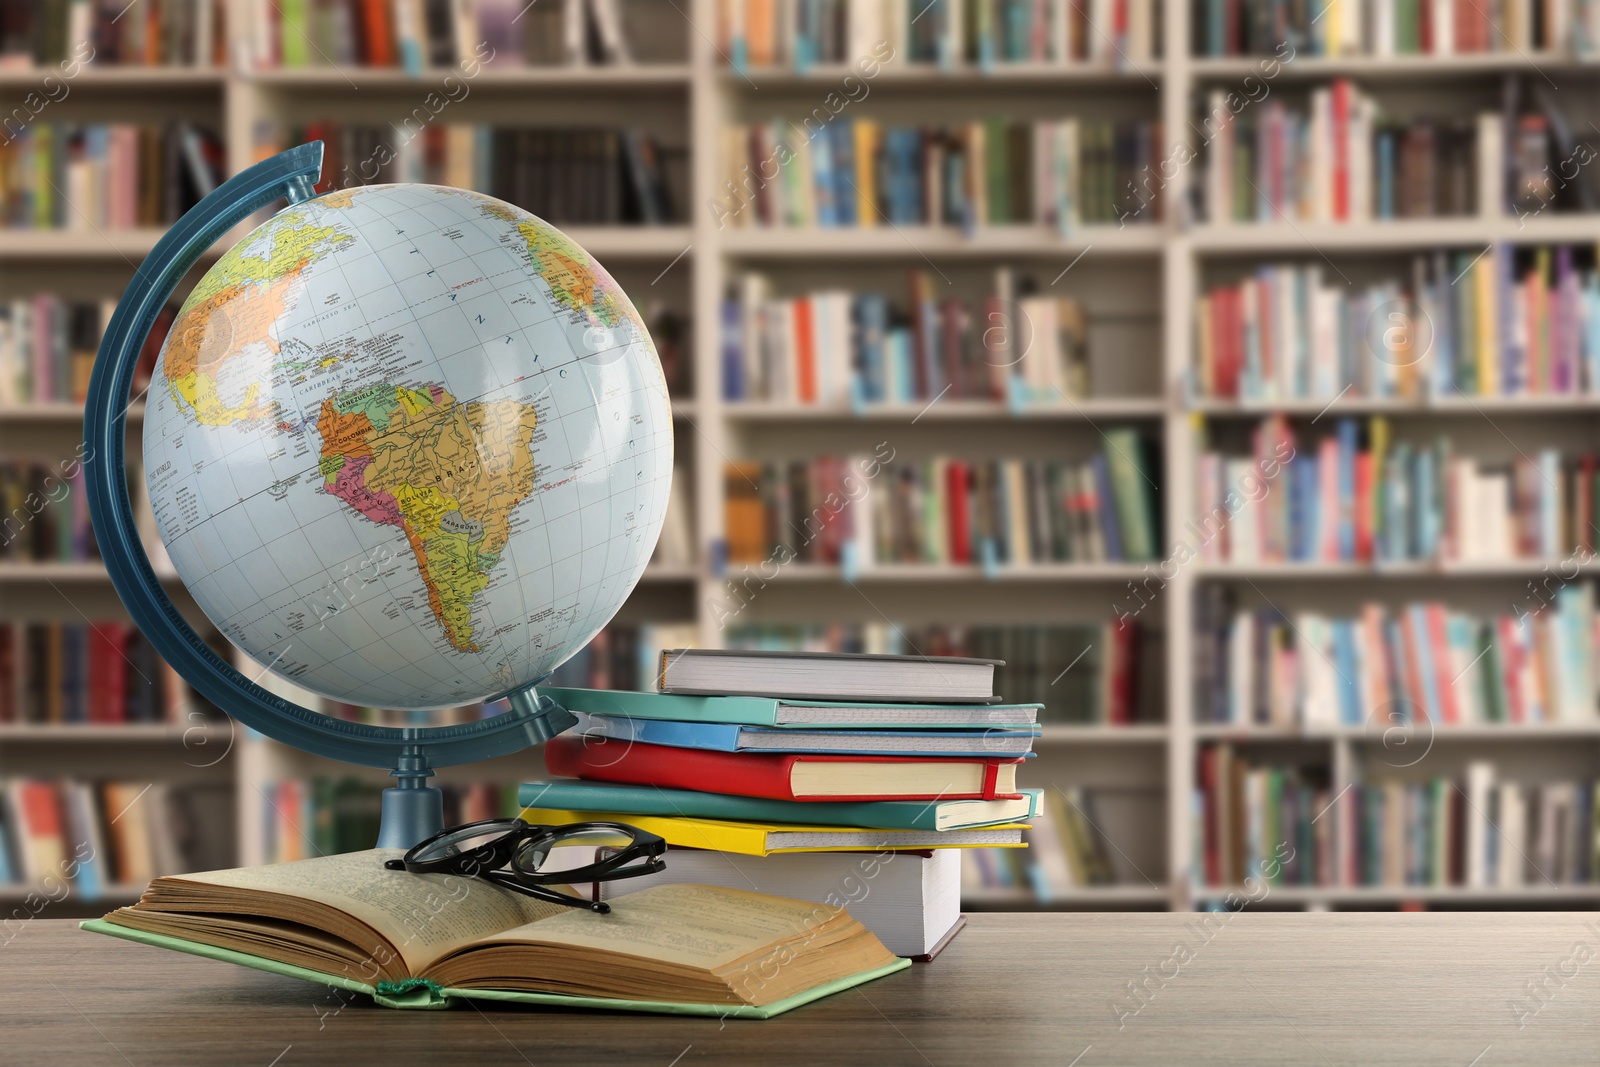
x: 419, y: 994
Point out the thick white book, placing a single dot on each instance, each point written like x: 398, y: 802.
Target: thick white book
x: 911, y: 902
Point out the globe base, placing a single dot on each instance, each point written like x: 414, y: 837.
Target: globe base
x: 411, y: 814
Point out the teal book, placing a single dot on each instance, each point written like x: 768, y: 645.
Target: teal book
x: 429, y: 940
x: 572, y: 794
x: 774, y: 711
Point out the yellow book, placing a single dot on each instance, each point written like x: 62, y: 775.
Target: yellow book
x: 766, y: 839
x: 1487, y: 329
x: 866, y: 132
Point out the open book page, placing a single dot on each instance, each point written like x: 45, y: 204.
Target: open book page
x: 686, y: 943
x: 699, y: 926
x: 422, y: 916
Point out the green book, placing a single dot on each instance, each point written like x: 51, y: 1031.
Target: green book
x: 294, y: 28
x: 1132, y: 492
x: 773, y: 711
x: 998, y: 173
x: 411, y: 941
x: 572, y: 794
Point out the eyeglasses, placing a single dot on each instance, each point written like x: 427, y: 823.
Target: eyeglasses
x: 481, y: 849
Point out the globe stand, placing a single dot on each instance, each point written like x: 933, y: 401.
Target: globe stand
x: 412, y: 809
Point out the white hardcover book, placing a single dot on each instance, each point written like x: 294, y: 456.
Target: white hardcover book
x: 1062, y: 47
x: 1318, y: 683
x: 1558, y: 26
x: 1241, y: 667
x: 1141, y: 29
x: 1321, y: 163
x: 608, y: 26
x: 865, y: 28
x: 1324, y: 344
x: 1218, y: 129
x: 909, y: 901
x: 1383, y: 28
x: 1285, y: 323
x: 843, y: 373
x: 1352, y: 28
x: 1510, y: 829
x: 572, y: 31
x: 1099, y: 32
x: 1491, y: 159
x: 1359, y: 154
x: 1476, y: 829
x: 1444, y: 27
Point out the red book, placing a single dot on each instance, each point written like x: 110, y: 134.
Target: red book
x: 784, y: 776
x: 1439, y: 653
x: 805, y: 350
x: 1512, y: 649
x: 377, y: 33
x: 1341, y: 149
x: 960, y: 538
x: 42, y: 847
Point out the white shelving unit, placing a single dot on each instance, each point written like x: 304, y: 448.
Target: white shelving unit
x: 1166, y: 262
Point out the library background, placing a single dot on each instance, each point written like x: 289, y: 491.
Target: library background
x: 1230, y: 368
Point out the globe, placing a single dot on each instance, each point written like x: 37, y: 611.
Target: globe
x: 408, y: 446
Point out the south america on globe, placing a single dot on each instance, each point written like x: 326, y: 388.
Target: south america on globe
x: 408, y: 446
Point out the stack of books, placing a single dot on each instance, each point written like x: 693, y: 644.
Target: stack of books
x: 843, y: 779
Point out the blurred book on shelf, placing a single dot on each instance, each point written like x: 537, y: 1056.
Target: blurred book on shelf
x: 1083, y: 674
x: 99, y: 672
x: 1340, y: 158
x: 1420, y: 663
x: 1428, y: 27
x: 71, y: 33
x: 675, y: 547
x: 71, y: 176
x: 322, y: 816
x: 850, y: 172
x: 838, y: 348
x: 1066, y: 851
x: 419, y: 34
x: 984, y: 33
x: 1356, y: 494
x: 1009, y: 512
x: 48, y: 345
x: 565, y: 175
x: 44, y: 512
x: 86, y: 837
x: 1506, y: 321
x: 1267, y: 821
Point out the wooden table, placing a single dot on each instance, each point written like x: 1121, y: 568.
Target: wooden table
x: 1322, y: 989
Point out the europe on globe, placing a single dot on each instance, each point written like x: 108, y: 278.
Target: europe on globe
x: 408, y: 446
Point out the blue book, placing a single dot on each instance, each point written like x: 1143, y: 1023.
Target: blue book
x: 1417, y: 624
x: 572, y: 794
x: 1348, y: 445
x: 872, y: 324
x: 737, y: 737
x: 822, y: 179
x: 791, y: 713
x: 1444, y: 333
x: 1214, y: 28
x: 1385, y: 175
x: 1591, y: 328
x: 1106, y: 505
x: 845, y: 196
x: 1344, y: 655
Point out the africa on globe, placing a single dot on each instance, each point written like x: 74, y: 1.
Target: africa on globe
x: 408, y: 446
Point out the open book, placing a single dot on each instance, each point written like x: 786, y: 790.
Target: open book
x: 419, y: 940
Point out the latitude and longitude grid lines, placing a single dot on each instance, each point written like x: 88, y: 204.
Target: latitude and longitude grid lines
x: 520, y: 270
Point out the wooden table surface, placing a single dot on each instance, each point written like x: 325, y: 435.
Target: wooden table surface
x: 1458, y: 990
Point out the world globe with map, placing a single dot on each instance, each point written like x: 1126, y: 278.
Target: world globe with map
x: 408, y: 446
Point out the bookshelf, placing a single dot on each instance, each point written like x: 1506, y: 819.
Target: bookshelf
x: 1140, y: 281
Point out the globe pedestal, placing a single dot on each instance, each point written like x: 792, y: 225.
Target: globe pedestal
x: 413, y: 810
